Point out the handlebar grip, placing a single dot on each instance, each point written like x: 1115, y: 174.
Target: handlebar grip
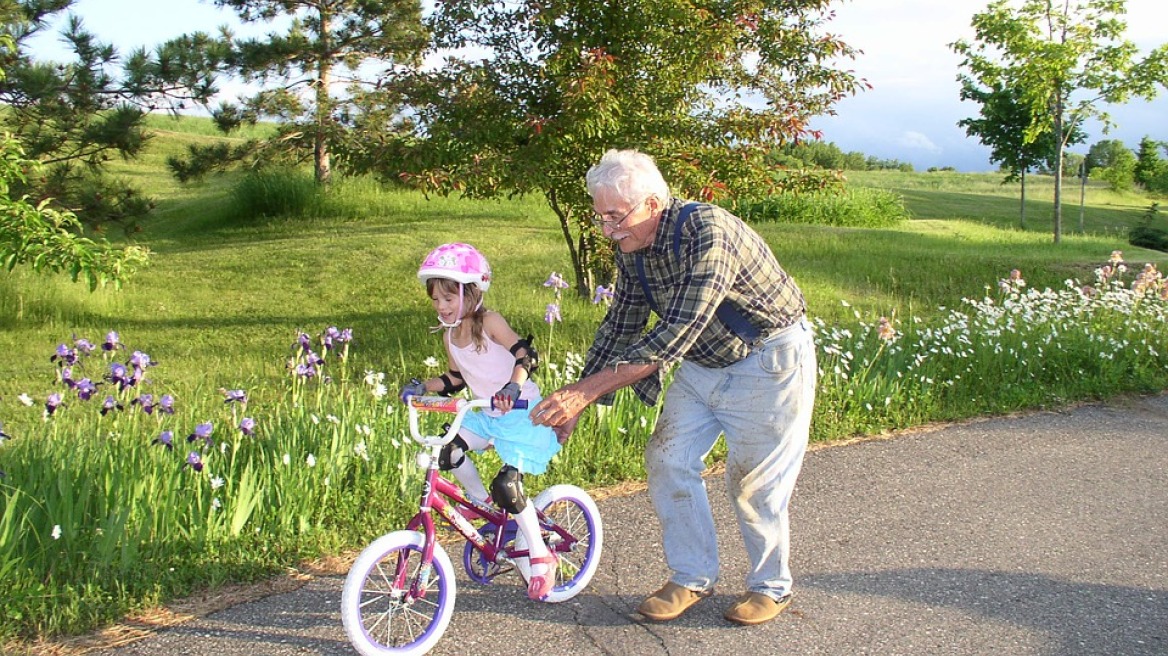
x: 520, y: 404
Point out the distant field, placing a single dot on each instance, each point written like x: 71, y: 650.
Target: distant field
x: 982, y: 197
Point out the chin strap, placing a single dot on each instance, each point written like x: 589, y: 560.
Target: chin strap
x: 458, y: 321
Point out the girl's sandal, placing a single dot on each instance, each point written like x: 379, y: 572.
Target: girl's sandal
x: 540, y: 585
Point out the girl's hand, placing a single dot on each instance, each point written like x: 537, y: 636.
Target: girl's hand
x: 505, y: 398
x: 414, y: 388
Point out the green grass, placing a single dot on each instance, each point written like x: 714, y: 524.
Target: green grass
x: 227, y: 293
x: 982, y: 197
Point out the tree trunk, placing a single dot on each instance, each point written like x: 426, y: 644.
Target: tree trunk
x: 321, y: 159
x: 1022, y: 208
x: 1082, y: 196
x: 578, y: 252
x: 1058, y: 168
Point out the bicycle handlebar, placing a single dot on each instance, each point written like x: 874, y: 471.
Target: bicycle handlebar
x: 455, y: 406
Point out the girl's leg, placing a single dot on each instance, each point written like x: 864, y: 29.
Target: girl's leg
x: 529, y: 524
x: 540, y: 561
x: 466, y: 473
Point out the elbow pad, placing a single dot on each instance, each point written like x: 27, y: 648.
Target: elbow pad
x: 448, y: 385
x: 525, y: 355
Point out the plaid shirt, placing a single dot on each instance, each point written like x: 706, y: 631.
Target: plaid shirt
x: 721, y: 258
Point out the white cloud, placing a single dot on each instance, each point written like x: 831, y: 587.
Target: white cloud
x: 913, y: 140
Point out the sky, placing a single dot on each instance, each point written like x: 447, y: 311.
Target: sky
x: 909, y: 115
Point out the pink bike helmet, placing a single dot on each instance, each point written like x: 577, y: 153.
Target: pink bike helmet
x: 458, y: 262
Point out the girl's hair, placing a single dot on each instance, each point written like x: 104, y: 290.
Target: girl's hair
x: 472, y: 297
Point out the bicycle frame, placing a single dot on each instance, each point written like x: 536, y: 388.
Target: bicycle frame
x: 445, y: 497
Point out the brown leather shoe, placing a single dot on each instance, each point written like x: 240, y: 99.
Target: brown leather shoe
x: 670, y: 602
x: 756, y: 608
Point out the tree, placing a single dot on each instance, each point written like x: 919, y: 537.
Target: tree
x: 300, y: 72
x: 1119, y: 172
x: 1107, y: 153
x: 75, y: 116
x: 1149, y: 166
x: 1111, y: 161
x: 1066, y: 58
x: 45, y: 238
x: 532, y: 93
x: 1004, y: 119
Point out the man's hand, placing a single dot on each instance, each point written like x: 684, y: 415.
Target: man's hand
x: 559, y: 407
x: 565, y: 430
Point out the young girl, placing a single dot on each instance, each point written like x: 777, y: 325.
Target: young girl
x: 487, y: 356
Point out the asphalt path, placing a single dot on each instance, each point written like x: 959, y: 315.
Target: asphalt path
x: 1045, y: 533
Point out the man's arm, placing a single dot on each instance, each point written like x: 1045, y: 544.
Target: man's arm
x: 561, y: 409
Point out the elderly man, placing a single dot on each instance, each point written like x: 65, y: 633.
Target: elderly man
x: 733, y: 322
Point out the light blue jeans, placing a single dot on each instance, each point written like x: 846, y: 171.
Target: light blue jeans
x: 762, y: 404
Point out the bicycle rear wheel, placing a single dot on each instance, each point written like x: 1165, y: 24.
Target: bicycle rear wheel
x: 379, y: 616
x: 573, y: 510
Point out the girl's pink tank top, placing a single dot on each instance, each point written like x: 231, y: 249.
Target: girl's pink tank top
x: 488, y: 370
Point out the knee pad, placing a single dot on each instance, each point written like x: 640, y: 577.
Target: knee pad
x: 452, y: 455
x: 507, y: 490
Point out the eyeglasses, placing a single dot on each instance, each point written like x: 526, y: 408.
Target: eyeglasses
x: 612, y: 224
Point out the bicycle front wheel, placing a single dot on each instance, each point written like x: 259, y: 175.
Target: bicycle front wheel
x: 572, y: 509
x: 391, y: 604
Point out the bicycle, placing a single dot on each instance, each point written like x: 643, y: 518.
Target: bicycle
x: 399, y: 594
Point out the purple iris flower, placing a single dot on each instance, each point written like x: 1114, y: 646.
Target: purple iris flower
x: 603, y: 295
x: 326, y: 339
x: 166, y: 404
x: 556, y: 282
x: 67, y: 377
x: 140, y: 360
x: 552, y: 314
x: 305, y: 371
x: 83, y: 346
x: 202, y: 432
x: 109, y: 405
x: 64, y: 355
x: 346, y: 336
x: 195, y: 461
x: 146, y: 401
x: 235, y: 396
x: 52, y: 403
x: 112, y: 342
x: 166, y: 439
x: 313, y: 359
x: 86, y: 389
x: 247, y: 426
x: 119, y: 376
x: 303, y: 342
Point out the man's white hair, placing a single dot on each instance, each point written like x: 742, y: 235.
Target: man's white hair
x: 633, y: 175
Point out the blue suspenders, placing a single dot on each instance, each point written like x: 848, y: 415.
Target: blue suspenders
x: 726, y: 312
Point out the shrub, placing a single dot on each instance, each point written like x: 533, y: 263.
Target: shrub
x: 1146, y: 235
x: 853, y: 208
x: 276, y: 192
